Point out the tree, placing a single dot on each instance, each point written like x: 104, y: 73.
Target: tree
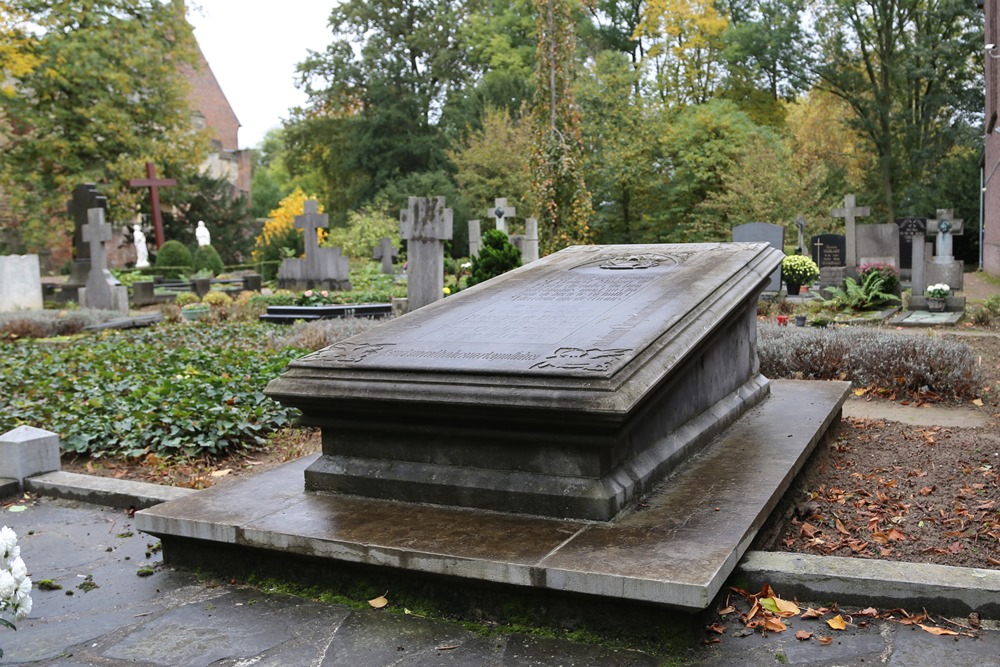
x: 17, y: 55
x: 905, y: 67
x: 685, y: 45
x: 280, y: 238
x: 202, y: 197
x: 620, y: 135
x: 496, y: 161
x: 561, y: 193
x: 105, y: 96
x: 376, y: 95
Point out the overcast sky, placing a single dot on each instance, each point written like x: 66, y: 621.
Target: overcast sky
x: 253, y: 47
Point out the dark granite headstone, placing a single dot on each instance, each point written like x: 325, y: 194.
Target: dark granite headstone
x: 85, y: 197
x: 908, y: 229
x: 828, y: 249
x: 568, y: 387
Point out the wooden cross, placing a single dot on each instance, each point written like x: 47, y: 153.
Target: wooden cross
x: 851, y: 211
x: 500, y: 212
x: 310, y: 222
x: 154, y: 184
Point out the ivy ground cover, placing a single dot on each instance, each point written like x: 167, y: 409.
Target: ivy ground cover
x: 170, y: 390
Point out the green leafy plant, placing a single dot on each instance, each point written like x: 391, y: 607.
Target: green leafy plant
x: 206, y: 258
x: 103, y: 396
x: 799, y: 269
x: 497, y: 255
x: 864, y: 295
x: 186, y: 298
x: 174, y: 260
x: 889, y: 274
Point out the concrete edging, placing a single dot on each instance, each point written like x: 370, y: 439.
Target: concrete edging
x: 103, y: 490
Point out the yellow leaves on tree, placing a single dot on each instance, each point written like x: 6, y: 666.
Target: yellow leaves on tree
x: 16, y: 47
x: 685, y: 39
x: 280, y: 238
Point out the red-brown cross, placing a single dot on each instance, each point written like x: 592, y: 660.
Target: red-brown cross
x: 154, y: 184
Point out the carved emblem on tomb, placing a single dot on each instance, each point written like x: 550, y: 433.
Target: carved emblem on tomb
x: 639, y: 261
x: 631, y: 262
x: 578, y: 359
x: 348, y: 352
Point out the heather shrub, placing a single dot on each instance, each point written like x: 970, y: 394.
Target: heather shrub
x: 186, y: 298
x: 318, y: 334
x: 870, y: 358
x: 49, y: 323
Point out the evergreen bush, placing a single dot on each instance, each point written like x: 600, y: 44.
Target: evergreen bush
x: 207, y: 258
x: 174, y: 260
x: 497, y: 255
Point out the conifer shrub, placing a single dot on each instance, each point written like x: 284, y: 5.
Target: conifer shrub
x: 174, y: 260
x: 497, y: 255
x: 870, y: 358
x: 206, y: 258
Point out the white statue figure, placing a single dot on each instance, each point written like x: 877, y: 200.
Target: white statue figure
x: 141, y: 252
x: 202, y: 234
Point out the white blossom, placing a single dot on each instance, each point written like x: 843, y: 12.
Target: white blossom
x: 7, y: 586
x: 8, y: 546
x: 19, y: 570
x: 22, y: 608
x: 23, y: 589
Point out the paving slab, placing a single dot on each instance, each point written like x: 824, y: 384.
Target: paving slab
x: 675, y: 551
x: 924, y: 318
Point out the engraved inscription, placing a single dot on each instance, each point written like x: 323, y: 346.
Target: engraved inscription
x: 578, y: 359
x: 497, y: 325
x: 348, y: 352
x: 570, y: 287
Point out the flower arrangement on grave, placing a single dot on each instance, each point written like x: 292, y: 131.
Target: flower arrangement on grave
x: 938, y: 291
x: 886, y: 272
x: 313, y: 298
x: 799, y: 269
x: 15, y: 584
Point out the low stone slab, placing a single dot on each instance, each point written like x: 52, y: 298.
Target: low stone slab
x: 924, y: 318
x: 865, y: 582
x: 103, y: 490
x: 677, y: 550
x: 290, y: 314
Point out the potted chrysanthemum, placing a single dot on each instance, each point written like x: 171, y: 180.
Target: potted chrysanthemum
x: 798, y: 270
x: 937, y: 297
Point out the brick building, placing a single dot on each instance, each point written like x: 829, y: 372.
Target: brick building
x: 991, y: 153
x: 211, y: 109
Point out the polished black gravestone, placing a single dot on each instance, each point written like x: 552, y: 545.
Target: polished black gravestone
x: 567, y: 388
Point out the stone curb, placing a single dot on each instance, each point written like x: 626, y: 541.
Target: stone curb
x: 875, y: 583
x: 103, y: 490
x: 851, y: 581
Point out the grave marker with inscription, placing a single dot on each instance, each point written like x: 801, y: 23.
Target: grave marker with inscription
x: 568, y: 387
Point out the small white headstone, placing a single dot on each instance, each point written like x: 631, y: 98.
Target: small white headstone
x: 20, y: 283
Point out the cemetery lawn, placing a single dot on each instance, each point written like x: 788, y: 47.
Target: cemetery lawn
x: 888, y: 490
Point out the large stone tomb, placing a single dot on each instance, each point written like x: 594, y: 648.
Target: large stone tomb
x: 567, y: 388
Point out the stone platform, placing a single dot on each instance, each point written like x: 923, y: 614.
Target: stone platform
x: 675, y: 549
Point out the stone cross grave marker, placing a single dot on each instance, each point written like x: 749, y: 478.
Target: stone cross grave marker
x: 425, y: 224
x: 103, y: 290
x: 154, y: 184
x: 501, y: 212
x: 850, y: 212
x: 310, y: 222
x: 84, y: 198
x: 945, y: 268
x: 387, y: 254
x: 800, y: 225
x: 475, y: 238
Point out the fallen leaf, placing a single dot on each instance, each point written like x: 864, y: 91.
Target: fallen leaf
x: 221, y: 473
x: 447, y: 647
x: 936, y: 631
x: 803, y: 635
x: 717, y: 628
x: 870, y: 611
x: 841, y: 528
x: 379, y: 602
x: 814, y: 613
x: 824, y: 640
x: 860, y: 392
x: 808, y: 530
x: 978, y: 402
x: 837, y: 623
x: 775, y: 625
x: 728, y: 610
x: 16, y: 508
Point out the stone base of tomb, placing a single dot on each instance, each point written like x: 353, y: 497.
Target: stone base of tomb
x: 676, y: 549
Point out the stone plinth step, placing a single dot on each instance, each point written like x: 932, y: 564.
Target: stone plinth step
x: 289, y: 314
x: 103, y: 490
x: 676, y: 550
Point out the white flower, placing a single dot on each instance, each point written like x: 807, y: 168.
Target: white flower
x: 23, y: 589
x: 7, y: 585
x: 8, y: 546
x: 18, y: 570
x: 22, y: 608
